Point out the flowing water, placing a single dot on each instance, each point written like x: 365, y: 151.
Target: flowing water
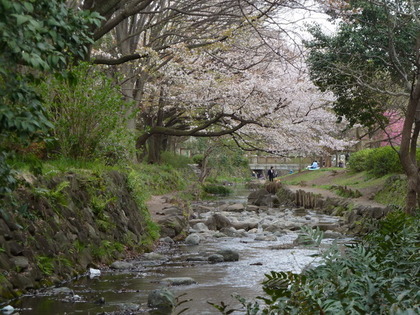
x: 126, y: 292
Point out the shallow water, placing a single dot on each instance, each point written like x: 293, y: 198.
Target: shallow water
x: 124, y: 291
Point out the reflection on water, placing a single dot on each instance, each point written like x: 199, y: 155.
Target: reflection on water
x: 124, y: 291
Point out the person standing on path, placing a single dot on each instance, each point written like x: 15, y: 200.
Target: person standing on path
x: 270, y: 174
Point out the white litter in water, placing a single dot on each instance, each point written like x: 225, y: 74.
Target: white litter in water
x: 8, y: 309
x: 94, y: 273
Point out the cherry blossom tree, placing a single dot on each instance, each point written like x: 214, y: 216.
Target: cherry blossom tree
x: 212, y: 68
x: 261, y: 101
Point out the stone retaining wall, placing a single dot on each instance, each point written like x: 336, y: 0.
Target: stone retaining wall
x: 57, y: 228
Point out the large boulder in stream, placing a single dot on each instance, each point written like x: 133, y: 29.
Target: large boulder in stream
x: 229, y: 255
x: 263, y: 198
x: 193, y: 239
x: 218, y: 222
x: 172, y: 222
x: 162, y: 299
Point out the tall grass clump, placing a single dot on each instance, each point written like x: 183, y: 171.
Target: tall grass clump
x: 88, y: 114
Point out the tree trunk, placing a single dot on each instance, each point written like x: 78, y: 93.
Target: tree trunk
x: 408, y: 148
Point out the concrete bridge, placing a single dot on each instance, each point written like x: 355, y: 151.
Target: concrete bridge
x: 261, y: 164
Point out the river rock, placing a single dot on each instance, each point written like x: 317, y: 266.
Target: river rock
x: 252, y: 208
x: 61, y: 291
x: 172, y: 225
x: 327, y: 226
x: 203, y: 209
x: 200, y: 227
x: 21, y: 262
x: 193, y: 239
x: 263, y: 237
x: 167, y: 240
x: 229, y: 255
x: 172, y: 211
x: 162, y: 299
x: 196, y: 258
x: 153, y: 256
x: 219, y: 235
x: 229, y: 232
x: 179, y: 281
x: 218, y: 221
x: 245, y: 225
x: 121, y: 265
x: 332, y: 234
x: 8, y: 309
x: 260, y: 198
x: 216, y: 258
x: 237, y: 207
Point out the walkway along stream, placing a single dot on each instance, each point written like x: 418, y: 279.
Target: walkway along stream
x: 230, y: 246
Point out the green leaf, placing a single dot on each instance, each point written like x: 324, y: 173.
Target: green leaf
x: 28, y: 6
x: 21, y: 19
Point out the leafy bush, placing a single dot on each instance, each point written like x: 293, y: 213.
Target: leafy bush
x: 217, y: 189
x: 382, y: 161
x: 358, y: 160
x: 377, y: 276
x: 377, y: 162
x: 198, y: 159
x: 175, y: 160
x: 87, y: 112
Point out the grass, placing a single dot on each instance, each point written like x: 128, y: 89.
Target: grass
x: 354, y: 181
x: 305, y: 176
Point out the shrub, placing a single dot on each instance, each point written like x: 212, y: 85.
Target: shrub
x: 175, y: 160
x: 358, y: 160
x: 382, y: 161
x: 217, y: 189
x: 377, y: 162
x: 86, y: 111
x: 198, y: 159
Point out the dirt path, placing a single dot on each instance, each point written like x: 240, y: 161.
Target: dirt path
x: 156, y: 204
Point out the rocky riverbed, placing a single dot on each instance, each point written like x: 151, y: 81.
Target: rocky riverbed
x: 230, y: 245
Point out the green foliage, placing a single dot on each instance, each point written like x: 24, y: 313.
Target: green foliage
x: 377, y: 162
x: 346, y: 192
x: 157, y: 179
x: 384, y: 160
x: 198, y: 159
x: 54, y: 195
x: 221, y: 156
x: 106, y: 250
x: 35, y: 36
x: 88, y: 113
x: 354, y: 59
x: 394, y: 192
x: 379, y: 275
x: 145, y: 180
x: 358, y: 161
x: 45, y: 264
x: 175, y: 160
x: 217, y: 189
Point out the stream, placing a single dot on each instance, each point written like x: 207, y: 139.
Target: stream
x: 125, y: 291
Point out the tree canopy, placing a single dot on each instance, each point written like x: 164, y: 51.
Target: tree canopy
x: 372, y: 65
x: 35, y: 36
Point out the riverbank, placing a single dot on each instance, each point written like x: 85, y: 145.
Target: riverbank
x: 360, y: 188
x: 56, y: 226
